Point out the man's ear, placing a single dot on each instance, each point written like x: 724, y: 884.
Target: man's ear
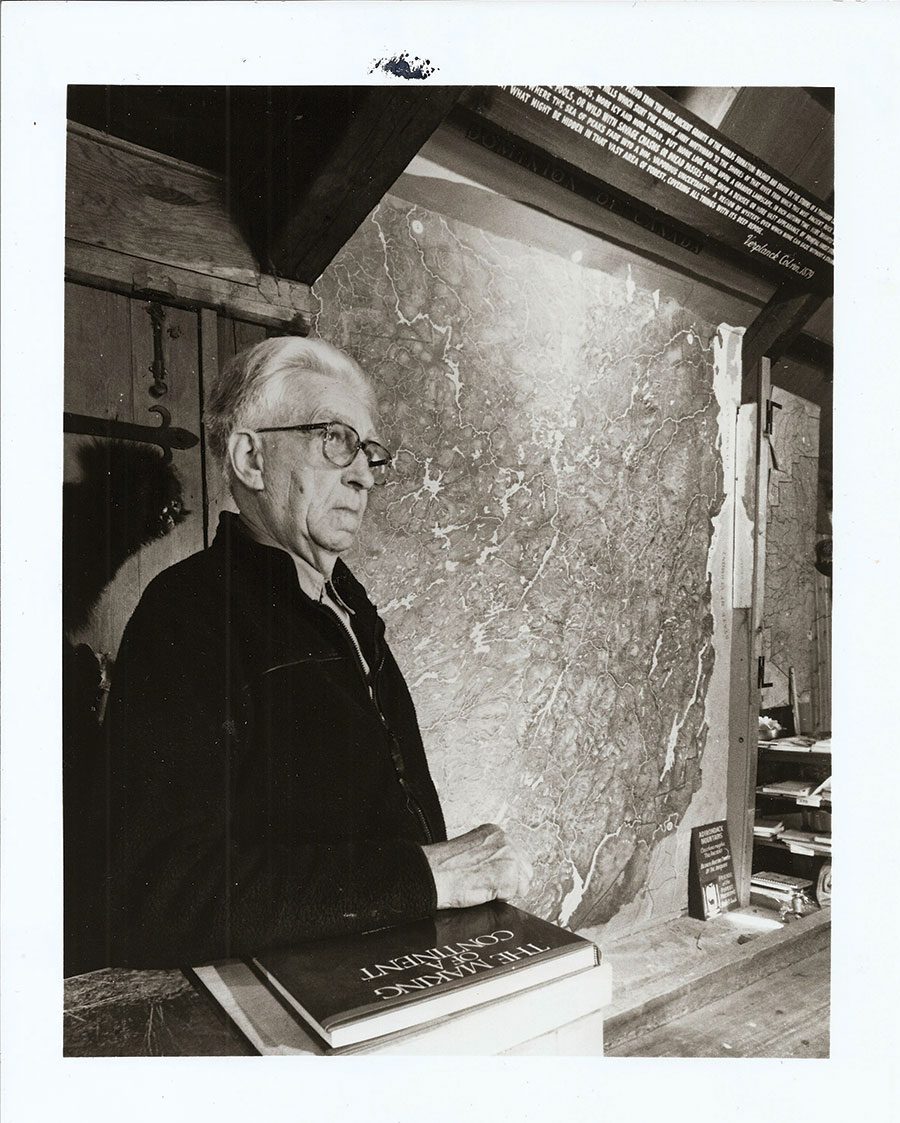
x: 246, y: 456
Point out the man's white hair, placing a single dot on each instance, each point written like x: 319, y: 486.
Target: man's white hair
x: 249, y: 384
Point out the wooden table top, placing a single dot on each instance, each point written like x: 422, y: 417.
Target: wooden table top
x: 124, y: 1013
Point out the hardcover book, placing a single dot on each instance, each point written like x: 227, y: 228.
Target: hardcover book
x: 817, y: 795
x: 352, y: 989
x: 272, y: 1028
x: 788, y: 788
x: 768, y: 827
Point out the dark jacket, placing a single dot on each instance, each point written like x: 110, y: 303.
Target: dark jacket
x: 258, y: 795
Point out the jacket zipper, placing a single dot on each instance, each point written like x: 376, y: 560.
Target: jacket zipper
x: 412, y: 803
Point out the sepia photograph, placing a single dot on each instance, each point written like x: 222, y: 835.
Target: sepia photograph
x: 446, y: 523
x: 443, y: 546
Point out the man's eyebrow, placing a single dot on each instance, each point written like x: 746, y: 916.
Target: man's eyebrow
x: 336, y: 415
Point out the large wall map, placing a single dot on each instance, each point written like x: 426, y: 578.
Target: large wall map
x: 541, y: 559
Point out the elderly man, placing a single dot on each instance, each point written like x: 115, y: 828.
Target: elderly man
x: 267, y: 779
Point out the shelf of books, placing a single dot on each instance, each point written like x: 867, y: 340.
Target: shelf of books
x: 792, y: 827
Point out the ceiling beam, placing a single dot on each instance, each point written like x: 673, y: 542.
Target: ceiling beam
x: 811, y: 351
x: 302, y: 187
x: 778, y: 325
x: 593, y: 148
x: 824, y: 95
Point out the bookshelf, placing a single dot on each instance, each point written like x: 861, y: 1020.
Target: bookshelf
x: 792, y: 831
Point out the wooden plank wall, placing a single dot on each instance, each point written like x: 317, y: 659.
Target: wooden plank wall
x: 108, y: 352
x: 142, y: 226
x: 223, y: 337
x: 99, y: 383
x: 108, y: 355
x: 822, y: 681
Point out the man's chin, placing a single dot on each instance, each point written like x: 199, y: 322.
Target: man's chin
x: 339, y: 541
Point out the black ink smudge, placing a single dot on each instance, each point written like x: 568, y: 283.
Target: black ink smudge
x: 405, y: 66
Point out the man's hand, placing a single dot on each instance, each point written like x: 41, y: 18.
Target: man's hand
x: 476, y: 867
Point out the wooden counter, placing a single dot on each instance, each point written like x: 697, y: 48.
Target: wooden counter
x: 128, y: 1013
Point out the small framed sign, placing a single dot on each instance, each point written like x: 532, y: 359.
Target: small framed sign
x: 711, y: 886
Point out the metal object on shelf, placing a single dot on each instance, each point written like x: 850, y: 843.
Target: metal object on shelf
x: 822, y: 891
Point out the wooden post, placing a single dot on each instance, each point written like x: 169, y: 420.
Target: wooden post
x: 752, y: 483
x: 778, y: 325
x: 300, y: 204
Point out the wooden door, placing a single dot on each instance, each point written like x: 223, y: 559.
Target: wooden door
x: 109, y: 355
x: 109, y: 350
x: 222, y: 338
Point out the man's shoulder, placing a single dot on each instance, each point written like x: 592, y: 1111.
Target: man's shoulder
x: 195, y: 578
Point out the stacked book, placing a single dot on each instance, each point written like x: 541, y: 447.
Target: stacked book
x: 807, y: 842
x: 788, y: 789
x: 818, y: 796
x: 439, y: 985
x: 797, y: 744
x: 767, y: 827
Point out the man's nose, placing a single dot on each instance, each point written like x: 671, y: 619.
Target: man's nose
x: 358, y: 473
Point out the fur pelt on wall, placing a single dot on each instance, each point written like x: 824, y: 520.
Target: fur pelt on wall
x: 127, y: 496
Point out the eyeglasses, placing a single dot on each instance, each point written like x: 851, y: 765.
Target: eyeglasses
x: 340, y: 445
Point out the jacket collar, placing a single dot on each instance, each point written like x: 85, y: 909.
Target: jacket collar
x: 240, y: 548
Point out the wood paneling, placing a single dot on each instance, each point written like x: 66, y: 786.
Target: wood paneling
x: 223, y: 338
x: 98, y: 382
x: 235, y: 335
x: 97, y: 353
x: 182, y: 359
x: 822, y: 680
x: 108, y: 352
x: 746, y: 623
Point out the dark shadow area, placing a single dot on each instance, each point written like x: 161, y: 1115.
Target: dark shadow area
x: 127, y: 497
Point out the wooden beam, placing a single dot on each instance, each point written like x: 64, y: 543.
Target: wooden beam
x: 778, y: 325
x: 301, y: 187
x: 127, y: 198
x: 272, y: 301
x: 750, y: 539
x: 824, y: 95
x: 145, y: 224
x: 520, y: 131
x: 811, y: 351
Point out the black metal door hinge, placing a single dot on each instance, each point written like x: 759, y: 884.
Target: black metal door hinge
x: 157, y: 368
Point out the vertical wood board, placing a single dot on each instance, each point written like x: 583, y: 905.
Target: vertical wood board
x: 182, y: 360
x: 98, y: 382
x: 222, y: 342
x: 822, y: 679
x: 747, y: 641
x: 215, y: 492
x: 742, y: 754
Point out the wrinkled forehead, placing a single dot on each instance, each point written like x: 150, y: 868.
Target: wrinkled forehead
x: 302, y: 397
